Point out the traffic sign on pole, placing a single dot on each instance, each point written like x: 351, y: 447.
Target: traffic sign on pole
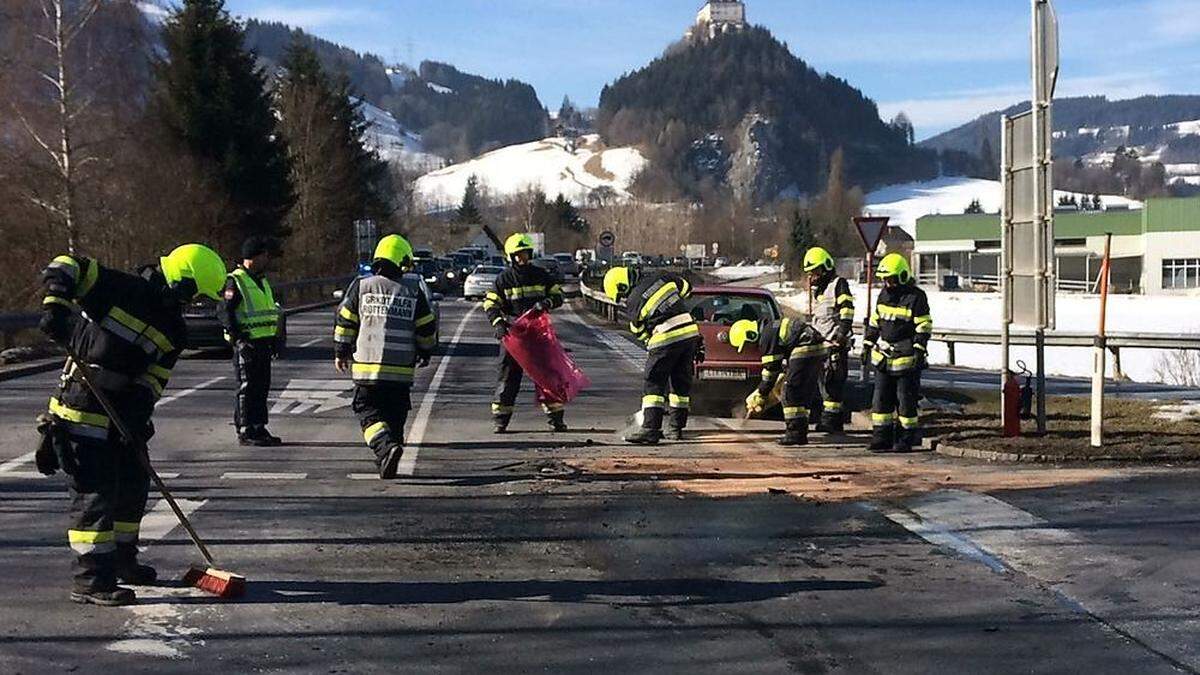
x: 871, y: 230
x: 607, y: 239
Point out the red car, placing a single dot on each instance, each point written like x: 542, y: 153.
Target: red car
x: 726, y: 377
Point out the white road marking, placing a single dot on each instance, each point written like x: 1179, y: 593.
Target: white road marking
x: 302, y: 396
x: 312, y: 342
x: 11, y: 465
x: 362, y: 476
x: 255, y: 475
x: 408, y: 462
x: 20, y: 475
x: 632, y: 354
x: 188, y: 392
x: 160, y: 520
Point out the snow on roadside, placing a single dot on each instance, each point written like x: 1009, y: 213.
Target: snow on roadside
x: 743, y: 272
x: 1076, y: 313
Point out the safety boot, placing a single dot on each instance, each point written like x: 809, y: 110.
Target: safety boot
x: 258, y: 437
x: 114, y: 597
x: 499, y: 425
x: 271, y: 439
x: 389, y: 462
x: 555, y: 420
x: 907, y: 440
x: 831, y: 423
x: 793, y: 438
x: 644, y: 437
x: 675, y: 434
x: 882, y: 439
x: 130, y: 571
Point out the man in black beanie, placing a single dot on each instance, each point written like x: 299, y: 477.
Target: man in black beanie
x: 251, y: 320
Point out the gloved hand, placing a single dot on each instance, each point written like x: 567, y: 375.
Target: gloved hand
x: 922, y: 358
x: 542, y: 306
x: 422, y: 360
x: 501, y: 330
x: 699, y: 358
x: 45, y: 457
x: 57, y: 323
x: 754, y: 403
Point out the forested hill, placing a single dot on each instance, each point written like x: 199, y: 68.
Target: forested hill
x: 459, y: 115
x: 698, y: 91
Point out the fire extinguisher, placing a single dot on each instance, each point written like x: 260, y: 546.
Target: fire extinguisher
x: 1012, y: 406
x: 1026, y: 392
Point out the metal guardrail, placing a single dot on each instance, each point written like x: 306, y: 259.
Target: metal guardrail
x: 12, y: 323
x: 1114, y: 342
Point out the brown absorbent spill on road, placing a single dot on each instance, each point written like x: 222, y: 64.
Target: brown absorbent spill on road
x: 751, y: 468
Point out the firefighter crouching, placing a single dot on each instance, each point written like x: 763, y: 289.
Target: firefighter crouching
x: 794, y: 350
x: 131, y: 333
x: 521, y: 287
x: 896, y: 346
x: 659, y: 318
x: 251, y: 320
x: 833, y: 319
x: 384, y: 329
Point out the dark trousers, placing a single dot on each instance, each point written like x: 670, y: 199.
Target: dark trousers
x: 508, y: 385
x: 668, y: 374
x: 252, y: 366
x: 799, y: 390
x: 833, y: 386
x: 108, y: 499
x: 382, y: 410
x: 896, y: 396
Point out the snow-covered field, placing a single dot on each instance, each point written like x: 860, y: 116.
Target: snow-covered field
x: 743, y: 272
x: 550, y: 164
x: 1076, y: 313
x: 907, y: 202
x: 394, y: 143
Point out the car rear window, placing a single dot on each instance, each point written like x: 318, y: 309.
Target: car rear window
x: 726, y: 309
x: 488, y: 269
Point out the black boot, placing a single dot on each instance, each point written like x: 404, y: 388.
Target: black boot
x: 831, y: 423
x: 500, y: 424
x: 679, y: 420
x: 555, y: 420
x: 389, y: 462
x: 907, y: 440
x: 644, y: 437
x: 882, y: 439
x: 797, y: 434
x: 257, y: 436
x: 113, y: 597
x: 271, y: 439
x: 130, y: 571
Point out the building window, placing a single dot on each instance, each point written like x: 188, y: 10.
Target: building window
x: 1181, y: 273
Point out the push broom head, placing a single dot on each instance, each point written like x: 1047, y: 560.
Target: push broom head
x: 218, y: 582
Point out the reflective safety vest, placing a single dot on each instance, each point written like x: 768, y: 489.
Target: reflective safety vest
x: 830, y: 308
x: 386, y: 345
x: 257, y: 314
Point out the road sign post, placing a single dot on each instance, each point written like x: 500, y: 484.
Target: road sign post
x: 1027, y: 220
x: 871, y: 230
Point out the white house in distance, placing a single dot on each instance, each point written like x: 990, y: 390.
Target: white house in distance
x: 717, y: 17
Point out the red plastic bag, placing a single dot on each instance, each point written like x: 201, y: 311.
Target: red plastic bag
x: 532, y: 342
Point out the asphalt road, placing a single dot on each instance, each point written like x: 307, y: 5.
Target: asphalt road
x: 545, y: 552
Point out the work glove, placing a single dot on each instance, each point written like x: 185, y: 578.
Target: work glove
x: 45, y: 457
x: 57, y: 324
x: 699, y: 358
x: 542, y: 306
x: 501, y: 330
x: 922, y: 358
x: 754, y: 403
x: 422, y: 360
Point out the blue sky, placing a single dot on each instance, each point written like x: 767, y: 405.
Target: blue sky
x: 942, y: 61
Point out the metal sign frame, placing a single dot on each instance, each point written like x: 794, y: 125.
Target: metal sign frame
x: 870, y: 221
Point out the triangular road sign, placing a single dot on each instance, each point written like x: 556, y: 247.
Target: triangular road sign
x: 871, y: 229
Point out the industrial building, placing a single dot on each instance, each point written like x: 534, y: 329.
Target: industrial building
x: 1155, y: 249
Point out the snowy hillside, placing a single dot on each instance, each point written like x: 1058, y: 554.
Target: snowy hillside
x: 947, y: 195
x: 574, y: 168
x: 395, y: 144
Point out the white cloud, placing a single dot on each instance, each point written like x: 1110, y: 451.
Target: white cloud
x: 309, y: 18
x: 1175, y: 20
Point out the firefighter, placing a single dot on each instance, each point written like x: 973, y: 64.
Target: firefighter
x: 384, y: 329
x: 896, y: 345
x: 130, y: 331
x: 659, y: 318
x: 832, y: 316
x: 251, y: 320
x: 520, y: 288
x: 791, y: 348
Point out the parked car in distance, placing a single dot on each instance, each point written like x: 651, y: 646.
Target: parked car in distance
x: 204, y: 329
x: 727, y: 377
x: 430, y: 272
x: 496, y: 260
x: 423, y: 253
x: 481, y: 280
x: 631, y: 258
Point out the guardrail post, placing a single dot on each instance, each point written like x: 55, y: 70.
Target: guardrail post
x: 950, y: 347
x: 1116, y: 352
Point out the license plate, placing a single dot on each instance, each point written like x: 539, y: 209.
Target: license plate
x: 723, y: 374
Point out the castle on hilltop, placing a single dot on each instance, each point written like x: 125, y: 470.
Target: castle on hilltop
x: 717, y: 17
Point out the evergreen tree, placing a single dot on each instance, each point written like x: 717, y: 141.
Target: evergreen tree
x: 337, y: 179
x: 213, y: 98
x: 468, y: 211
x: 800, y: 237
x: 567, y: 216
x: 974, y: 207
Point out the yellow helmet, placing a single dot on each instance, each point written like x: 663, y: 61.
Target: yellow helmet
x: 199, y: 263
x: 617, y: 282
x: 894, y: 265
x: 396, y: 249
x: 517, y: 243
x: 817, y: 257
x: 743, y: 333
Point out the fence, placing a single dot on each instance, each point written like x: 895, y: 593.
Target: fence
x: 315, y: 292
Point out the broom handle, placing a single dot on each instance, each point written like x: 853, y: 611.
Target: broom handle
x: 140, y: 450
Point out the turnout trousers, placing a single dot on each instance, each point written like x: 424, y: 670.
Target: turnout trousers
x: 382, y: 410
x: 799, y: 390
x: 252, y: 366
x: 895, y: 404
x: 833, y: 388
x: 508, y: 385
x: 668, y: 375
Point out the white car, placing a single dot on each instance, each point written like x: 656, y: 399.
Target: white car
x: 480, y: 281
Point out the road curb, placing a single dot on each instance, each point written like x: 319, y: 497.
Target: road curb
x: 957, y: 451
x: 16, y: 370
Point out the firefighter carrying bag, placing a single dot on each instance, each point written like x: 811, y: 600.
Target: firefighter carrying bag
x: 534, y: 345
